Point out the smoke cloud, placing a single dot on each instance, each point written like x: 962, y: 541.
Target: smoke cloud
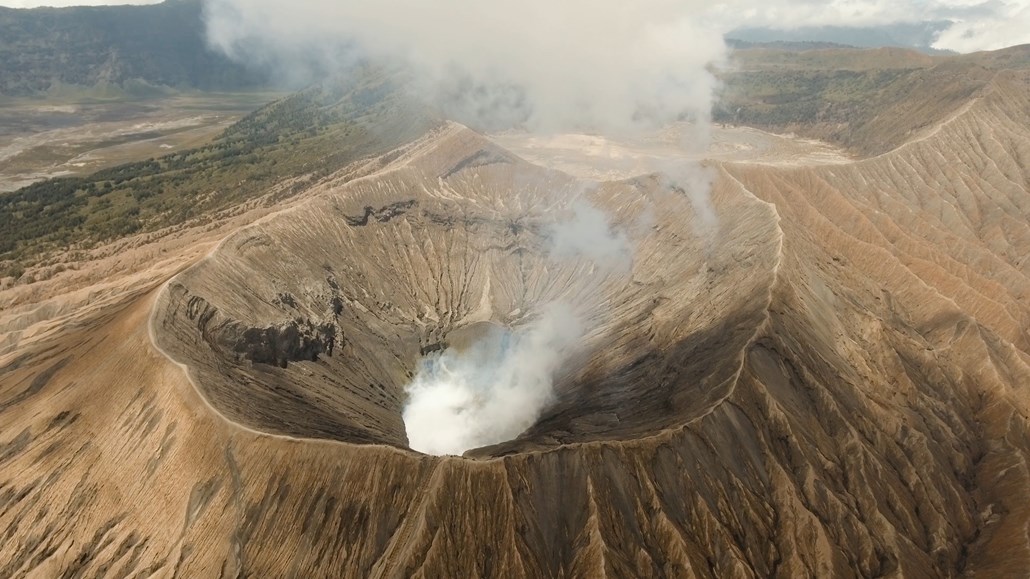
x: 695, y: 181
x: 588, y: 234
x: 601, y: 65
x: 493, y: 391
x: 496, y: 389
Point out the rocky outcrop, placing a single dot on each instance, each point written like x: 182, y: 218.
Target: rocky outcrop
x: 289, y: 341
x: 381, y: 215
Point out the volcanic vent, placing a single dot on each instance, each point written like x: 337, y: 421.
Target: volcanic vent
x: 311, y: 323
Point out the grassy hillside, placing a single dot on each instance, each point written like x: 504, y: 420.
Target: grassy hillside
x: 134, y: 48
x: 313, y: 132
x: 869, y: 101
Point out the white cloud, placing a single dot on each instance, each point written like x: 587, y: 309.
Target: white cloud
x: 497, y: 388
x: 64, y: 3
x: 599, y: 64
x: 1006, y: 24
x: 978, y: 24
x: 606, y: 65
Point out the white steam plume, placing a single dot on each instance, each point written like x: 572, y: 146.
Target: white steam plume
x: 695, y: 181
x: 599, y: 65
x: 495, y: 390
x: 588, y: 234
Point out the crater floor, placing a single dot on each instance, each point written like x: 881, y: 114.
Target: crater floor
x: 600, y: 157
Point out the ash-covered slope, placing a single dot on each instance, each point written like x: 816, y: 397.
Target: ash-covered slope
x: 833, y: 385
x: 920, y: 375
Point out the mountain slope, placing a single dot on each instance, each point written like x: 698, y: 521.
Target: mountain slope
x: 136, y: 48
x: 833, y: 384
x: 869, y: 101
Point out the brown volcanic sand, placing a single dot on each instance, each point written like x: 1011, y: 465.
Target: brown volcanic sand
x: 835, y: 385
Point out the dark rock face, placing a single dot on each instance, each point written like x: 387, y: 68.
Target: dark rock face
x: 381, y: 215
x: 278, y: 344
x: 480, y: 158
x: 290, y: 342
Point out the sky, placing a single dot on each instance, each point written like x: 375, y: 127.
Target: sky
x: 35, y: 3
x: 978, y: 24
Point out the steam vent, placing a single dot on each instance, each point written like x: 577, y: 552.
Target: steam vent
x: 820, y: 370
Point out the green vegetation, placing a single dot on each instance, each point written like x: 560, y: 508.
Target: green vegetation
x: 314, y: 132
x: 786, y: 97
x: 134, y: 50
x: 869, y: 101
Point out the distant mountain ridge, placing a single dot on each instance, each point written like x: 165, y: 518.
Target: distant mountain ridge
x: 867, y: 100
x: 919, y: 35
x: 135, y: 48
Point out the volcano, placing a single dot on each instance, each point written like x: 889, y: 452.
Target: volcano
x: 823, y: 372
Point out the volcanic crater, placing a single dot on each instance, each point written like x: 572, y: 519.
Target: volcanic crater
x: 310, y: 323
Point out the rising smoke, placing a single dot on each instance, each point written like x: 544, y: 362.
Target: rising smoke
x: 494, y: 390
x: 586, y: 65
x: 695, y: 181
x: 588, y: 234
x: 498, y: 387
x: 600, y: 66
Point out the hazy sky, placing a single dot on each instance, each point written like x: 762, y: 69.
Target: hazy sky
x: 34, y: 3
x: 979, y: 24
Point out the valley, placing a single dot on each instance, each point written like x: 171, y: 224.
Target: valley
x: 71, y: 137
